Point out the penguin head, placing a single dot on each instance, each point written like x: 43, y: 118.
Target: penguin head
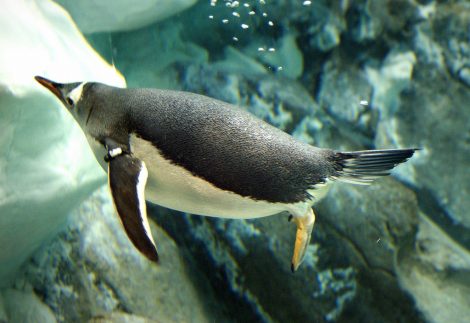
x: 70, y: 94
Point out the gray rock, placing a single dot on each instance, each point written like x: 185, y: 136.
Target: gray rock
x: 376, y: 219
x: 451, y: 27
x: 120, y: 317
x: 438, y: 124
x: 345, y: 105
x: 92, y: 269
x: 436, y: 271
x: 365, y: 20
x: 278, y: 100
x: 368, y: 227
x: 157, y: 62
x: 24, y: 307
x: 374, y: 247
x: 348, y: 266
x: 425, y: 107
x: 321, y: 21
x: 284, y: 56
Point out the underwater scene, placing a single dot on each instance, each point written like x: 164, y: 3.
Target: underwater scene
x: 125, y: 198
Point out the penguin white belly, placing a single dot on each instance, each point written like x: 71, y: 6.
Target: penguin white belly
x: 176, y: 188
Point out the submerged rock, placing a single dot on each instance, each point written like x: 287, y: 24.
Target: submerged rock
x: 436, y: 272
x: 345, y: 105
x: 92, y: 270
x: 433, y: 112
x: 120, y: 317
x: 384, y: 253
x: 24, y: 306
x: 348, y: 268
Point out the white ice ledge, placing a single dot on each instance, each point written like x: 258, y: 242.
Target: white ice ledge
x: 46, y: 166
x: 119, y: 15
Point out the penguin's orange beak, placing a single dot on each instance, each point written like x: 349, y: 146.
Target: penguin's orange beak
x: 50, y: 85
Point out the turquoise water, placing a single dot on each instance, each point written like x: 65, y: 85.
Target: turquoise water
x: 346, y: 75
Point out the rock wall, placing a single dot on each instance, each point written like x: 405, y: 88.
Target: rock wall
x: 384, y: 253
x: 397, y: 251
x: 92, y: 271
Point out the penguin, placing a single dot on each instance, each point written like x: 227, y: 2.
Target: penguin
x: 199, y: 155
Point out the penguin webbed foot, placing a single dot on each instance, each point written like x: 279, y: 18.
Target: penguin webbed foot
x: 302, y: 239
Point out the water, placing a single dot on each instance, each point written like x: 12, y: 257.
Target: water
x: 345, y: 75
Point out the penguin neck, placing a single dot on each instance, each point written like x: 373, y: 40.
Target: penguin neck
x: 98, y: 150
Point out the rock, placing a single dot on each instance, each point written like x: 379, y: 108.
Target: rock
x: 452, y: 20
x: 24, y: 307
x: 436, y: 271
x: 3, y: 314
x: 393, y: 77
x: 46, y: 167
x: 157, y: 55
x: 365, y: 20
x: 345, y: 106
x: 94, y: 16
x: 375, y: 256
x: 236, y: 60
x: 349, y: 264
x: 92, y: 270
x: 377, y: 219
x: 430, y: 120
x: 278, y: 100
x: 424, y: 111
x: 322, y: 22
x: 120, y: 317
x: 285, y: 56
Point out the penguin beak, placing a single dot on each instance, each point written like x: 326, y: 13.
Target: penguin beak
x: 51, y: 86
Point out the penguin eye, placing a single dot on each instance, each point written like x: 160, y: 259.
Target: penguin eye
x: 70, y: 101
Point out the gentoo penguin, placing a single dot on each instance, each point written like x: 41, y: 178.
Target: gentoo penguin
x: 195, y: 154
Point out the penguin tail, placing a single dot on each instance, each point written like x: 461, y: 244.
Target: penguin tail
x: 363, y: 167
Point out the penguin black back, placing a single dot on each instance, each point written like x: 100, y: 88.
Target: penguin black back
x: 221, y: 143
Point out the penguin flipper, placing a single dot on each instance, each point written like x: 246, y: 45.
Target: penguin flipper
x: 127, y: 177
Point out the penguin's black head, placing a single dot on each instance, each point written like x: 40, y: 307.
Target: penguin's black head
x: 68, y: 93
x: 73, y: 96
